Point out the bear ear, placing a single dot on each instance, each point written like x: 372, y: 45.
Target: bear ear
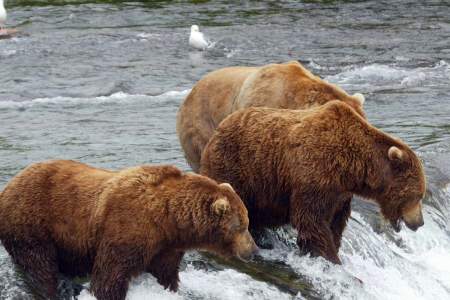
x: 360, y: 98
x: 395, y: 153
x: 225, y: 184
x: 221, y: 206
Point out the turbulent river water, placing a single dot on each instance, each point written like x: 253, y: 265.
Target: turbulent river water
x: 101, y: 82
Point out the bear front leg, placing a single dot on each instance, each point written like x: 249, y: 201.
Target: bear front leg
x: 318, y: 241
x: 339, y: 222
x: 38, y: 260
x: 113, y: 268
x: 165, y: 266
x: 308, y: 214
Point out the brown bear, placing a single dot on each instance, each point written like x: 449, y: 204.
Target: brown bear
x: 303, y: 166
x: 64, y: 216
x: 224, y: 91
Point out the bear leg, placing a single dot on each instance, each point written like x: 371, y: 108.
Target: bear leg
x: 318, y: 240
x: 165, y: 266
x: 38, y: 260
x: 314, y: 233
x: 339, y: 222
x: 113, y: 268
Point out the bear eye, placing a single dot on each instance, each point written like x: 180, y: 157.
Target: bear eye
x: 235, y: 228
x: 241, y: 229
x: 235, y: 224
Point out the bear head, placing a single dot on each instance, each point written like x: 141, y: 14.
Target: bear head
x: 230, y: 235
x: 400, y: 197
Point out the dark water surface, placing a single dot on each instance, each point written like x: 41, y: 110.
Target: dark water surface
x: 101, y: 82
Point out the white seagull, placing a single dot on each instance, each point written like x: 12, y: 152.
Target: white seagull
x: 196, y: 39
x: 2, y: 16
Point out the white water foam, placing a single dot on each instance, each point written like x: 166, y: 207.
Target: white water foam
x: 147, y: 35
x: 142, y: 287
x: 118, y: 97
x: 8, y: 53
x: 376, y: 76
x: 414, y: 265
x: 200, y: 284
x: 386, y: 265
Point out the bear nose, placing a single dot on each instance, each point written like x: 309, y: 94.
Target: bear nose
x: 416, y: 225
x: 414, y: 219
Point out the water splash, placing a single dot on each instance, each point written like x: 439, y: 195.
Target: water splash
x: 119, y: 97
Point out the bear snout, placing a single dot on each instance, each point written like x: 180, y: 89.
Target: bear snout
x: 413, y: 217
x: 416, y: 226
x: 245, y: 247
x: 415, y: 223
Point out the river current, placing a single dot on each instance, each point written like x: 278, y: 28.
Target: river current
x: 101, y: 82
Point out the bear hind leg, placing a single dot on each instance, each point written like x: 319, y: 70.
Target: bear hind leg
x: 39, y: 262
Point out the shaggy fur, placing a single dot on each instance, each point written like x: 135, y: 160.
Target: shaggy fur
x: 224, y: 91
x: 303, y: 166
x: 64, y: 216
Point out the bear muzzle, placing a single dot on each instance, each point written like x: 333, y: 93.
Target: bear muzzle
x: 245, y: 247
x: 412, y: 217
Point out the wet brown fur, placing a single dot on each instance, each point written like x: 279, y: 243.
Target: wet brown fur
x: 303, y: 167
x: 67, y: 217
x: 224, y: 91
